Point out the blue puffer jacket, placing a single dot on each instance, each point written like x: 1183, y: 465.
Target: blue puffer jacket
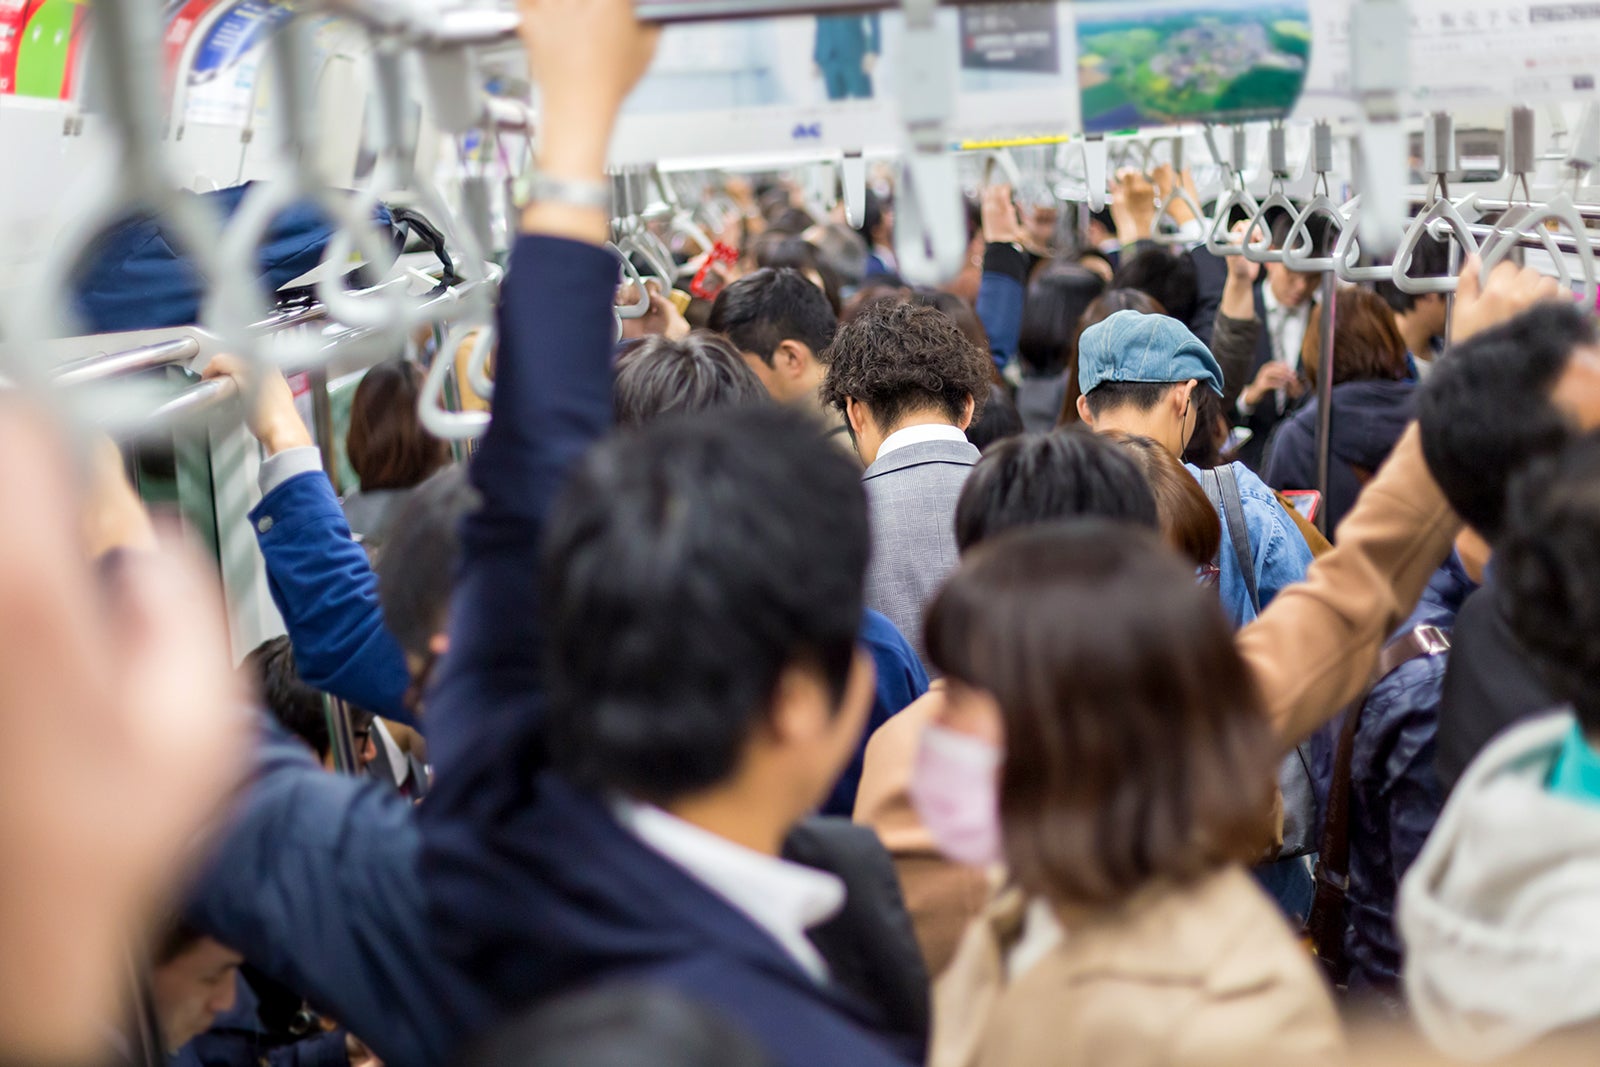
x: 1395, y: 795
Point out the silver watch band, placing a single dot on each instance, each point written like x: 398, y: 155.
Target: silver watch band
x: 542, y: 188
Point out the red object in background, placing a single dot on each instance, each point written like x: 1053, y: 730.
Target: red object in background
x: 720, y: 253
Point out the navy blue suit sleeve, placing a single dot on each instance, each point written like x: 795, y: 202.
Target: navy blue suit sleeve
x: 315, y: 881
x: 326, y: 592
x: 1001, y: 295
x: 552, y: 401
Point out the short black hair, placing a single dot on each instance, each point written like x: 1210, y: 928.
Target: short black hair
x: 624, y: 1026
x: 686, y: 567
x: 1000, y: 420
x: 417, y: 567
x: 1487, y: 411
x: 898, y: 358
x: 1140, y: 396
x: 1430, y: 260
x: 1039, y: 478
x: 1166, y: 275
x: 761, y: 310
x: 660, y: 377
x: 796, y: 253
x: 1548, y: 571
x: 1054, y: 310
x: 296, y: 706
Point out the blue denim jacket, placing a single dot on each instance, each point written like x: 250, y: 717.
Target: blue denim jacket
x: 1281, y: 553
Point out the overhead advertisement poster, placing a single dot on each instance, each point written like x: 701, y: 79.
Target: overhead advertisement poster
x: 806, y: 85
x: 39, y: 42
x: 224, y: 68
x: 1163, y: 63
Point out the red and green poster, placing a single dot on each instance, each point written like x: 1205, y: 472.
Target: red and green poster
x: 39, y: 47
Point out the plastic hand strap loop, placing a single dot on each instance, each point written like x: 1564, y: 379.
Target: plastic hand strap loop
x: 720, y: 253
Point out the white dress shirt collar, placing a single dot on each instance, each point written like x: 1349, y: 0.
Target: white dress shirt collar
x: 916, y: 435
x: 1286, y: 327
x: 784, y: 899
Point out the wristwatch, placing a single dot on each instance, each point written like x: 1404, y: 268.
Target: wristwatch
x: 545, y: 189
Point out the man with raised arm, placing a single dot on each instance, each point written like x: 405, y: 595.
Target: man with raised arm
x: 614, y: 808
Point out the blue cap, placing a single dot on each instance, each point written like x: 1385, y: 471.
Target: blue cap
x: 1134, y: 347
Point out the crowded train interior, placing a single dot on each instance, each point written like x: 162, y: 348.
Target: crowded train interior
x: 799, y: 533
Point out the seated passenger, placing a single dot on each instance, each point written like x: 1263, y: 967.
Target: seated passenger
x: 1501, y: 911
x: 1372, y: 404
x: 388, y: 447
x: 1138, y: 373
x: 910, y: 384
x: 1103, y: 738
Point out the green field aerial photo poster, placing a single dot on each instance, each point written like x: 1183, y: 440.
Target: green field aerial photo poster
x: 1155, y: 64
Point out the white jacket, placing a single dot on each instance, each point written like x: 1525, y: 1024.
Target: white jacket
x: 1500, y: 914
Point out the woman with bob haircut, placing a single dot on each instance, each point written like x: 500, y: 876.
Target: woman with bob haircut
x: 388, y: 447
x: 1104, y: 740
x: 1189, y: 523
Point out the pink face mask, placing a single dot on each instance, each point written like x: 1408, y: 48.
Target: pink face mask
x: 955, y: 789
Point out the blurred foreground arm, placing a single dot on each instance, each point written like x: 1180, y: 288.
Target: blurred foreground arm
x: 119, y: 736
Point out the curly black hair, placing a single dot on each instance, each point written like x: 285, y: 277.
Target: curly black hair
x: 899, y: 358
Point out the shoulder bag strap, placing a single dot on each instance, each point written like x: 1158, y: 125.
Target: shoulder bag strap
x: 1238, y: 531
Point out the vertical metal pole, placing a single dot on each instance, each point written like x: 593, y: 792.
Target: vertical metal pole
x: 1330, y: 289
x: 322, y: 417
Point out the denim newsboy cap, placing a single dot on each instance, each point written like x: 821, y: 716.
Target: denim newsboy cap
x: 1134, y: 347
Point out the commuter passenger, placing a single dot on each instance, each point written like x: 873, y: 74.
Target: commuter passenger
x: 909, y: 384
x: 782, y: 325
x: 662, y: 377
x: 1502, y: 400
x: 1260, y: 333
x: 192, y: 981
x: 1122, y: 771
x: 796, y: 253
x: 1139, y: 374
x: 1104, y: 306
x: 300, y: 709
x: 388, y: 447
x: 1024, y: 481
x: 1189, y: 524
x: 1499, y: 913
x: 1421, y: 318
x: 1372, y: 405
x: 1047, y: 344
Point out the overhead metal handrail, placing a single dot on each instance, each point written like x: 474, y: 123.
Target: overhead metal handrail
x: 1220, y: 241
x: 127, y: 361
x: 1298, y: 246
x: 1277, y: 200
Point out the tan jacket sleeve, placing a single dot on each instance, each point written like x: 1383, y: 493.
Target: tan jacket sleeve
x: 1315, y: 646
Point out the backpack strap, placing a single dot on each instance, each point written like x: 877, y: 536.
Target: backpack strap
x: 1222, y: 487
x: 1326, y: 923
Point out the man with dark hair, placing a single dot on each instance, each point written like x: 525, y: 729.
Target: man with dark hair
x: 299, y: 708
x: 1421, y: 317
x: 1502, y: 399
x: 782, y: 325
x: 909, y: 384
x: 662, y: 377
x: 193, y: 980
x: 1164, y: 274
x: 1501, y: 912
x: 1260, y: 329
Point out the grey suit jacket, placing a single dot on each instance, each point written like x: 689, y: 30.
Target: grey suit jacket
x: 911, y: 497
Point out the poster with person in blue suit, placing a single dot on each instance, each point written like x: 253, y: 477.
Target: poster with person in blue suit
x: 846, y: 53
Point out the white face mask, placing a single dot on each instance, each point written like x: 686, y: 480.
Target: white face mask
x: 955, y: 787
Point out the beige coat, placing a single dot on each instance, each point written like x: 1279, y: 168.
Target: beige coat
x: 1205, y: 976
